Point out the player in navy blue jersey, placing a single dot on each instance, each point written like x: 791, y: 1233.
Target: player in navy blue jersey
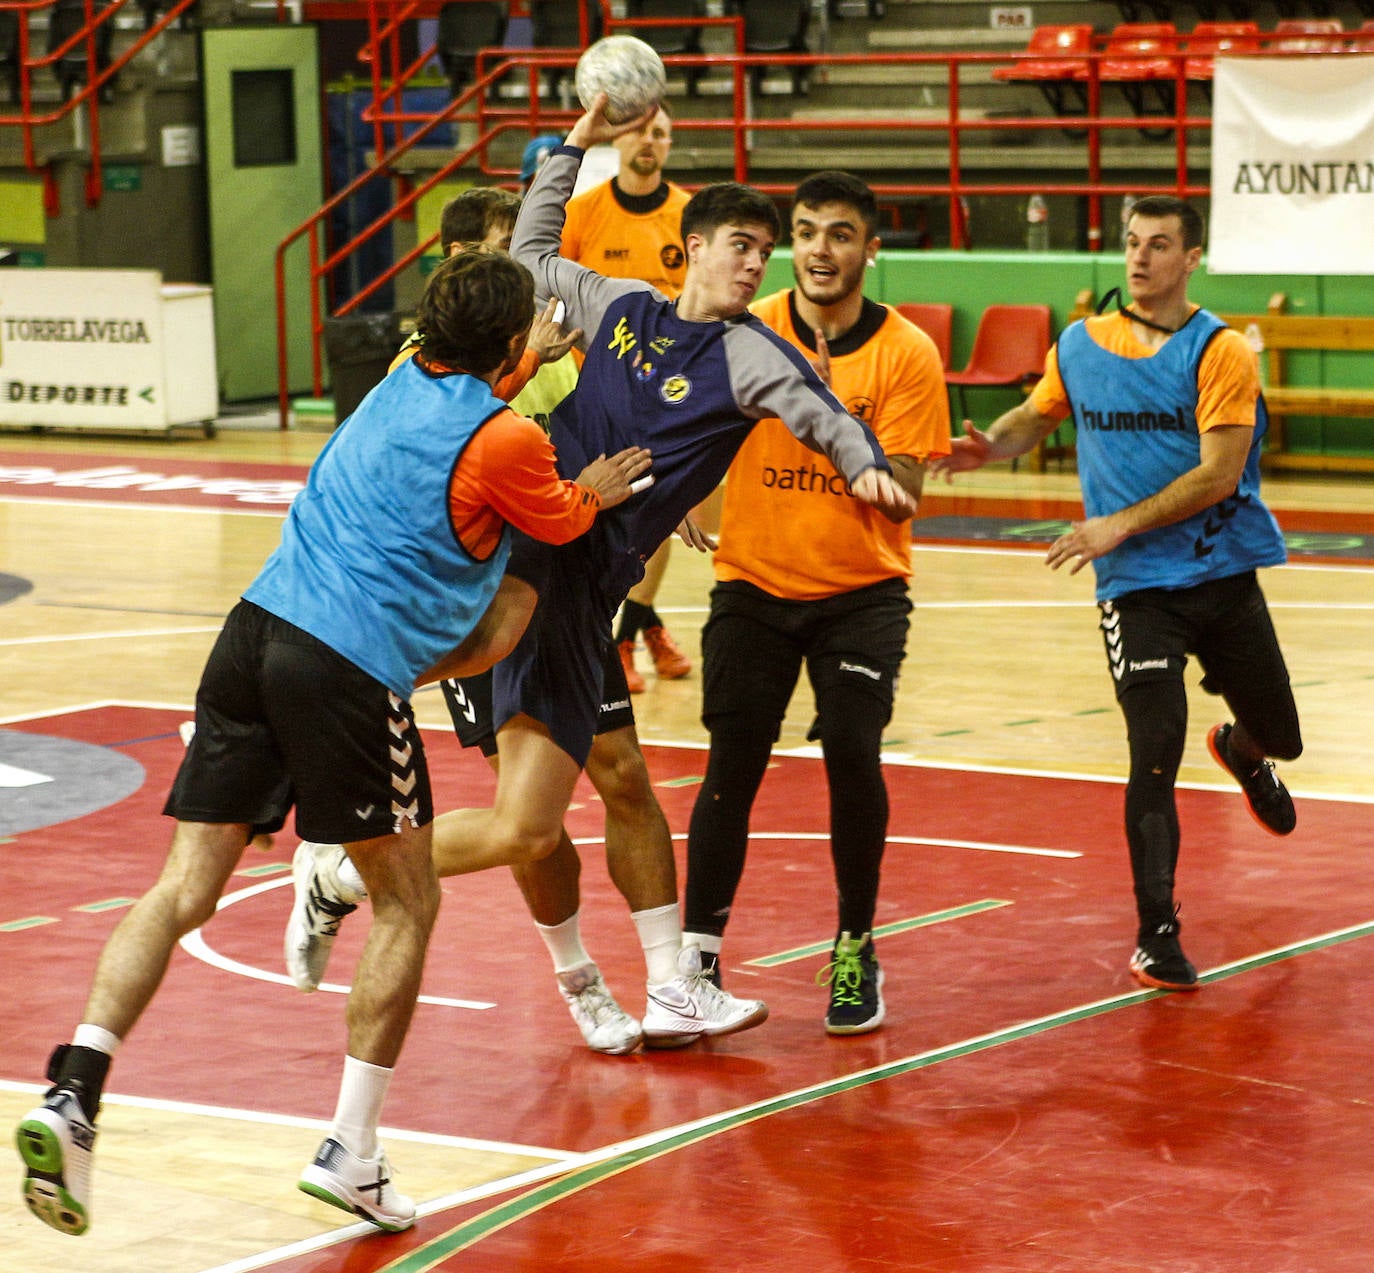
x: 688, y: 378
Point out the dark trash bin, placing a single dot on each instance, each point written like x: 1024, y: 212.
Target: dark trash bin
x: 358, y: 348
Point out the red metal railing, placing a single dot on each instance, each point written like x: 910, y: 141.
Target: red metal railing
x: 388, y: 114
x: 23, y: 115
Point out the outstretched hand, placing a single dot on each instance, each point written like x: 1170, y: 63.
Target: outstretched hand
x: 611, y: 478
x: 547, y: 338
x: 877, y: 487
x: 593, y: 129
x: 970, y: 452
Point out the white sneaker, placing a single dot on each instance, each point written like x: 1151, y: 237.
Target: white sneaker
x: 359, y: 1185
x: 605, y: 1025
x: 57, y: 1143
x: 322, y: 901
x: 690, y: 1006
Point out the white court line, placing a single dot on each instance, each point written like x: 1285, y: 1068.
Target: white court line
x: 194, y: 944
x: 142, y: 506
x: 263, y: 1118
x: 125, y: 634
x: 980, y: 845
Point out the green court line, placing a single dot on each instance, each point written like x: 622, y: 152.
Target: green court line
x: 17, y: 925
x: 885, y: 930
x: 1030, y: 720
x: 950, y: 733
x: 1093, y: 711
x: 268, y: 868
x: 109, y: 904
x: 472, y: 1231
x: 695, y: 780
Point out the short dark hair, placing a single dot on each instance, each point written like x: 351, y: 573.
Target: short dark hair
x: 475, y: 303
x: 833, y: 186
x: 728, y: 203
x: 1167, y: 205
x: 468, y: 217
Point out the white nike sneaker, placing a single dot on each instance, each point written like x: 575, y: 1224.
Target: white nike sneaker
x: 691, y: 1006
x: 605, y: 1025
x: 327, y: 889
x: 359, y: 1185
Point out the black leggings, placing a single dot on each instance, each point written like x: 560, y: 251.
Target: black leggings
x: 718, y: 838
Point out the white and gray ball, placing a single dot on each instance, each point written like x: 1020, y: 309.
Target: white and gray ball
x: 627, y: 70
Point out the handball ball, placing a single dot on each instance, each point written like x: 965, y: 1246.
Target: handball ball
x: 627, y: 70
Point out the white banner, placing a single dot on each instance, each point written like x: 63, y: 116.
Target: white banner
x: 1293, y: 166
x: 105, y: 349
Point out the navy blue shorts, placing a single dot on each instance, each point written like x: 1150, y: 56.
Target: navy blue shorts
x: 554, y: 674
x: 469, y: 704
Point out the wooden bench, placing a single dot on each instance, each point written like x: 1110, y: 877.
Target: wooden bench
x: 1281, y: 332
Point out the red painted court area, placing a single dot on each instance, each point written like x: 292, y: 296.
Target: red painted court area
x: 1024, y: 1110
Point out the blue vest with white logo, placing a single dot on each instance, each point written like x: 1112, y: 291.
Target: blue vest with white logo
x: 369, y: 561
x: 1136, y: 426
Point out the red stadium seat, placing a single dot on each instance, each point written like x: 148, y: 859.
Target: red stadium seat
x: 1210, y: 40
x: 1308, y: 35
x: 1363, y: 41
x: 1060, y: 69
x: 936, y: 320
x: 1009, y: 350
x: 1139, y: 57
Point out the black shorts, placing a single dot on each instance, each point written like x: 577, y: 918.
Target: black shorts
x: 1225, y: 623
x: 469, y: 704
x: 282, y: 719
x: 754, y: 643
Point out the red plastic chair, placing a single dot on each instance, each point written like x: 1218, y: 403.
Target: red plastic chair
x: 1137, y: 57
x: 1009, y: 350
x: 936, y: 320
x: 1210, y: 40
x: 1140, y: 51
x: 1059, y: 70
x: 1308, y: 35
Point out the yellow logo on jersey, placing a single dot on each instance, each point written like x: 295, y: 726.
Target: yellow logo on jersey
x: 662, y: 344
x: 675, y: 389
x: 622, y: 339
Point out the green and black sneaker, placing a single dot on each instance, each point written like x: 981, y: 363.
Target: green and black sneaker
x: 856, y: 987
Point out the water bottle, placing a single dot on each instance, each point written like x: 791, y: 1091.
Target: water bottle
x: 1037, y: 224
x: 1127, y: 207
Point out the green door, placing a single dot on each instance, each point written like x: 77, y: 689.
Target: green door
x: 265, y: 172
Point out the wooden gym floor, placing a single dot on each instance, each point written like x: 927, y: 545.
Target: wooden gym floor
x: 1025, y: 1109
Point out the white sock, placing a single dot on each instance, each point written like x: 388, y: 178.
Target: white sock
x: 361, y: 1094
x: 709, y: 942
x: 97, y: 1037
x: 564, y: 942
x: 660, y: 934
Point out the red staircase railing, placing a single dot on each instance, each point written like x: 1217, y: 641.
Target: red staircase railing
x: 388, y: 114
x: 23, y: 114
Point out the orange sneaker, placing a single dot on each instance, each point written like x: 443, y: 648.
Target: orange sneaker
x: 669, y: 662
x: 633, y: 680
